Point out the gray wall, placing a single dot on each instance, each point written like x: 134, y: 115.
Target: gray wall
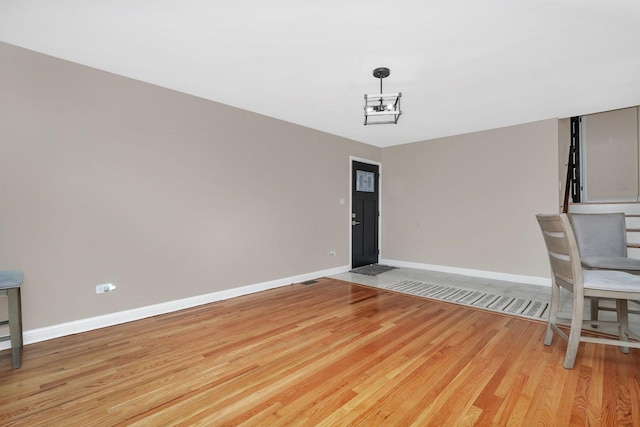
x: 609, y: 142
x: 107, y: 179
x: 469, y: 201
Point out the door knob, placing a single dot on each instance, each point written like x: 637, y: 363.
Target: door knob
x: 355, y: 223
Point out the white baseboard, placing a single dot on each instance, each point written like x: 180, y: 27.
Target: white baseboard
x: 84, y: 325
x: 531, y: 280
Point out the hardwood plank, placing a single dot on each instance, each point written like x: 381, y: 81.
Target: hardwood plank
x: 634, y: 397
x: 595, y: 403
x: 581, y: 394
x: 331, y: 353
x: 564, y: 404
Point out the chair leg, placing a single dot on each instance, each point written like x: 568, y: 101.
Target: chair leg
x: 574, y: 334
x: 623, y: 322
x: 595, y: 305
x: 553, y: 313
x: 15, y: 325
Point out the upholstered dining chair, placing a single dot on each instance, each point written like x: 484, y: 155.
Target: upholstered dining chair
x: 567, y: 272
x: 10, y: 282
x: 602, y: 243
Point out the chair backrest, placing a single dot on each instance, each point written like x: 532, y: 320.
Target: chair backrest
x: 602, y: 235
x: 562, y: 250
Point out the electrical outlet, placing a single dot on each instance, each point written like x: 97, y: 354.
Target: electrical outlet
x: 107, y: 287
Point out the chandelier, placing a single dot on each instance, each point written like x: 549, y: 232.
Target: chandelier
x: 382, y: 108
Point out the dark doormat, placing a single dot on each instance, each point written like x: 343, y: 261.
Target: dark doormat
x: 373, y: 269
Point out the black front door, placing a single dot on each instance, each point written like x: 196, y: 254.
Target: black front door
x: 364, y: 216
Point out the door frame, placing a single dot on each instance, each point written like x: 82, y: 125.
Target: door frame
x: 370, y: 162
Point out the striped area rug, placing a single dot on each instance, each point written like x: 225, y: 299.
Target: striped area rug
x: 489, y: 301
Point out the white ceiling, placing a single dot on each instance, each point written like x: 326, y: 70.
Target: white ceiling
x: 462, y: 65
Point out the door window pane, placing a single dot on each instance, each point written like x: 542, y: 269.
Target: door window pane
x: 365, y: 181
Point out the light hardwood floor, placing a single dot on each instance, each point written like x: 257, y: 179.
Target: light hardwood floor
x: 329, y: 353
